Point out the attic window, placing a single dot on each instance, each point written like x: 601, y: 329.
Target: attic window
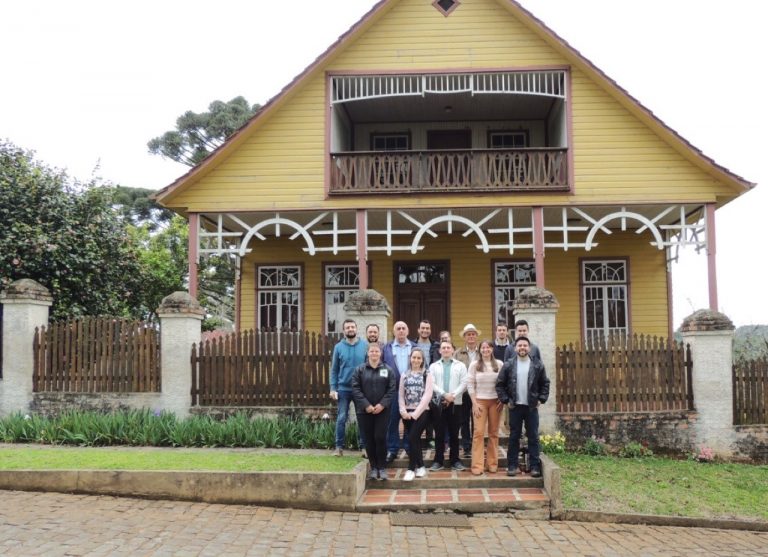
x: 446, y: 6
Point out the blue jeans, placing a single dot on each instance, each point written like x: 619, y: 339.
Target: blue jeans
x: 518, y: 415
x: 393, y: 432
x: 345, y: 397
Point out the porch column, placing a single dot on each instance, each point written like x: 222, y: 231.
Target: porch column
x: 710, y: 335
x: 362, y: 247
x: 192, y: 241
x: 238, y: 291
x: 538, y: 244
x: 25, y: 307
x: 711, y: 257
x: 539, y: 307
x: 180, y: 325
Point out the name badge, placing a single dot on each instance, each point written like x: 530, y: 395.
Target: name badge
x: 383, y: 372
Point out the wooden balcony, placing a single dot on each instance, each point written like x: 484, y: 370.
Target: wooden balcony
x: 465, y: 170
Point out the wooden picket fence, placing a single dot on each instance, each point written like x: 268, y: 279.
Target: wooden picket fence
x: 262, y: 368
x: 97, y: 355
x: 750, y: 392
x: 624, y: 374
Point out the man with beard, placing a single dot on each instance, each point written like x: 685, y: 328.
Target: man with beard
x: 348, y: 354
x: 372, y: 334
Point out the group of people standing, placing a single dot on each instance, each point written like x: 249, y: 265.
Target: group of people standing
x: 451, y: 394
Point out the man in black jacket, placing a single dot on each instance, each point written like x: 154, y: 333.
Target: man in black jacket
x: 523, y: 385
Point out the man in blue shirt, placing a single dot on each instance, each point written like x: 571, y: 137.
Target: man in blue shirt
x: 348, y: 354
x: 397, y: 355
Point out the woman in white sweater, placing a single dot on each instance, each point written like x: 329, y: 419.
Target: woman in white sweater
x: 486, y: 408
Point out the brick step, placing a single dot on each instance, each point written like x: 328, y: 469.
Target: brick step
x: 453, y: 479
x: 475, y: 500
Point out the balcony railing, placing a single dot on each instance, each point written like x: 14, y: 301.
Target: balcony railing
x: 466, y: 170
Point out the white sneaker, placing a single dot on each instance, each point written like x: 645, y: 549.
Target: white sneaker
x: 421, y: 472
x: 409, y: 475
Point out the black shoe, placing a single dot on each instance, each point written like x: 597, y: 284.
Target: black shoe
x: 391, y: 458
x: 535, y: 472
x: 458, y: 466
x: 436, y: 466
x: 513, y: 471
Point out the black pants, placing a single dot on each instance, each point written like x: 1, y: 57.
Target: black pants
x: 450, y: 421
x: 374, y: 427
x: 466, y: 422
x: 413, y: 431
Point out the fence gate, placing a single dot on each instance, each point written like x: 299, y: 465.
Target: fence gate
x: 264, y: 368
x: 619, y: 373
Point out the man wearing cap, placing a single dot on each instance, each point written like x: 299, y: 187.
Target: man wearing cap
x: 466, y: 356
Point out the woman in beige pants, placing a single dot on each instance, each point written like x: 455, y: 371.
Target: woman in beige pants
x: 486, y: 408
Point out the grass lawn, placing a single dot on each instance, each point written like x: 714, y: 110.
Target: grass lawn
x: 63, y: 458
x: 664, y: 486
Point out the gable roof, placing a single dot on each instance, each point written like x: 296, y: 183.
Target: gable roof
x: 559, y: 44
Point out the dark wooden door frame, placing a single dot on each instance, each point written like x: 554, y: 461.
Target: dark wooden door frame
x: 423, y: 286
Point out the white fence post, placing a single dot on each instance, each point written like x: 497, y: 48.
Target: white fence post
x: 710, y: 334
x: 539, y: 308
x: 25, y: 306
x: 181, y: 319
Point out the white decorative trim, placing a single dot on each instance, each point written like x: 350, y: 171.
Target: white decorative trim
x: 403, y: 232
x: 547, y: 83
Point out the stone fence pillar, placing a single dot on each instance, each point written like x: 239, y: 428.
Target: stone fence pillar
x: 25, y: 306
x: 710, y: 334
x: 368, y: 307
x: 181, y: 319
x: 539, y: 307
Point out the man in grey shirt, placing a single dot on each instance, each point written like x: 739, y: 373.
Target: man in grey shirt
x: 523, y: 385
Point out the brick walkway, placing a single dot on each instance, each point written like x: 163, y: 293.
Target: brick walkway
x: 53, y: 524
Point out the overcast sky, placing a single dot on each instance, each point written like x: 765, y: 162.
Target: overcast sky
x: 87, y: 83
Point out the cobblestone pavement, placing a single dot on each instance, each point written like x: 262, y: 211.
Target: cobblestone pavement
x: 57, y: 524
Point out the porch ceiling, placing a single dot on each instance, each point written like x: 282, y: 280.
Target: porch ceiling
x: 450, y: 107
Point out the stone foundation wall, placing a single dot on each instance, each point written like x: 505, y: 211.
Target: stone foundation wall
x: 52, y: 403
x: 223, y: 412
x: 751, y: 442
x: 663, y: 432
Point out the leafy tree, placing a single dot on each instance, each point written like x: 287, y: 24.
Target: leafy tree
x: 65, y: 235
x: 197, y: 134
x: 138, y: 208
x: 162, y: 258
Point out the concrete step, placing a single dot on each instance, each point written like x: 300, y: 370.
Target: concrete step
x: 429, y: 454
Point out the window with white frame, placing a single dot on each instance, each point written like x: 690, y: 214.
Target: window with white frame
x: 390, y: 141
x: 279, y: 296
x: 507, y: 139
x: 604, y: 295
x: 509, y: 279
x: 339, y: 283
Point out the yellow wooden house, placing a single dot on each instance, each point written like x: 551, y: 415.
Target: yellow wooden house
x: 449, y: 154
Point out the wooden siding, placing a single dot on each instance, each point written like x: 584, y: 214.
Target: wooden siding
x: 470, y: 288
x: 617, y: 157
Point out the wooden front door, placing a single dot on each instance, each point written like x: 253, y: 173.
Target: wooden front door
x: 422, y: 292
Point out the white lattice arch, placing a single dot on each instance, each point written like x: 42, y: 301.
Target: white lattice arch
x: 450, y: 218
x: 254, y: 231
x: 624, y: 215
